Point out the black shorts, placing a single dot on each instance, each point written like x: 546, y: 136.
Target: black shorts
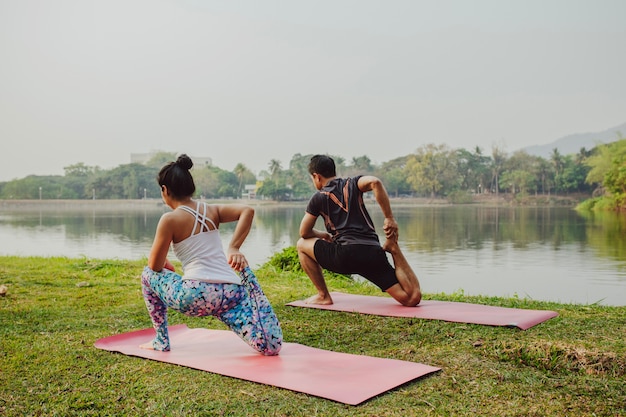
x: 369, y: 261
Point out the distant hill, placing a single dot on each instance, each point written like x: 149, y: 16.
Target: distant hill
x: 571, y: 144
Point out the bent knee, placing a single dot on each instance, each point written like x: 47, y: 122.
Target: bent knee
x: 273, y: 347
x: 272, y: 351
x: 306, y: 246
x: 406, y: 299
x: 413, y: 299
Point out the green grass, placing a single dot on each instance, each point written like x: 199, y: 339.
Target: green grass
x: 572, y: 365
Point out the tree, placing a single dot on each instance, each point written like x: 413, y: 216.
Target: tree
x: 545, y: 179
x: 77, y: 176
x: 214, y: 182
x: 129, y: 181
x: 361, y: 165
x: 557, y: 164
x: 274, y: 189
x: 275, y: 168
x: 609, y: 162
x: 340, y: 165
x: 393, y: 175
x: 244, y: 176
x: 160, y: 159
x: 498, y: 157
x: 573, y: 175
x: 473, y: 169
x: 599, y: 163
x: 298, y: 178
x: 520, y: 173
x: 79, y: 170
x: 35, y: 187
x: 432, y: 169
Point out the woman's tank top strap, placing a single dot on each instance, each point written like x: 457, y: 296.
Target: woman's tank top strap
x: 201, y: 219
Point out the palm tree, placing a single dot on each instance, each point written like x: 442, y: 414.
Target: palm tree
x: 557, y: 163
x: 362, y: 163
x: 498, y: 158
x: 239, y: 171
x: 275, y: 168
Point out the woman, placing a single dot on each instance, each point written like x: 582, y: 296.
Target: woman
x: 210, y: 286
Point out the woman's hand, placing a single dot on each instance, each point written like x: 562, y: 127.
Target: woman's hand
x: 236, y: 259
x: 168, y: 265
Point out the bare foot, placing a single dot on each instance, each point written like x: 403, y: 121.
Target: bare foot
x: 319, y: 300
x: 391, y: 246
x: 147, y: 346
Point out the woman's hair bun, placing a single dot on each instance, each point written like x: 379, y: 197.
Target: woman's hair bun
x: 184, y: 161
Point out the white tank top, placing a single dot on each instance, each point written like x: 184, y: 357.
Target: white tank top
x: 202, y: 254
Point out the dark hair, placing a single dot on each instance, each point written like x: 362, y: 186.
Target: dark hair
x: 323, y: 165
x: 177, y: 178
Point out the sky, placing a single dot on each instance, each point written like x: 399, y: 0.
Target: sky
x: 85, y: 81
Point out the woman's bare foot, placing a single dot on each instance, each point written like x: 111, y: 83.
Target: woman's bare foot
x: 148, y: 346
x: 319, y: 300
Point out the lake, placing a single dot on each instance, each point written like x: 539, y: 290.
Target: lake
x: 541, y: 253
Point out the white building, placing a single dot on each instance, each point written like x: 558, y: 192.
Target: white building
x: 249, y: 191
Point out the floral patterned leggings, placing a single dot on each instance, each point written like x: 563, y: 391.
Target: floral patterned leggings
x: 243, y: 308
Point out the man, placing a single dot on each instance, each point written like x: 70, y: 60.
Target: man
x: 350, y: 244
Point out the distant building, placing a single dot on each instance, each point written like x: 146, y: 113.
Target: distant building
x: 142, y: 158
x: 249, y: 191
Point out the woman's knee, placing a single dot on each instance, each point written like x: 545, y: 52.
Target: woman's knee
x: 145, y: 276
x: 274, y: 344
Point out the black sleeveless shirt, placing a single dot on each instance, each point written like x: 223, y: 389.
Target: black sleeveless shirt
x: 341, y: 205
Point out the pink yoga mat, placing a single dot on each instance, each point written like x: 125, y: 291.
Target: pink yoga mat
x: 435, y: 310
x: 342, y: 377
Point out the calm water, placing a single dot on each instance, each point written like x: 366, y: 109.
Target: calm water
x: 552, y: 254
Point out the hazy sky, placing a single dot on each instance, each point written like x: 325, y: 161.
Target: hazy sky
x: 250, y: 81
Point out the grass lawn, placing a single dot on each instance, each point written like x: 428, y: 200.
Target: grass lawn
x: 56, y: 308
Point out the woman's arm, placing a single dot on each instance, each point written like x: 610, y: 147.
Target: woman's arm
x: 243, y: 215
x: 157, y: 259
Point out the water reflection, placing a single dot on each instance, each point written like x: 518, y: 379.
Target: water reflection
x: 542, y: 253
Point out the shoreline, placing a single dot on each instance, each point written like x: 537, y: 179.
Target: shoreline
x: 158, y: 205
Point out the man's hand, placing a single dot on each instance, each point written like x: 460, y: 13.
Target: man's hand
x: 390, y: 227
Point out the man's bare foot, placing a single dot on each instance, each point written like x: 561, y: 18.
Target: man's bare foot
x: 319, y: 300
x: 147, y: 346
x: 391, y: 246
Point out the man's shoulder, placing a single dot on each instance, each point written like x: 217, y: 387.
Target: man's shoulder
x: 341, y: 181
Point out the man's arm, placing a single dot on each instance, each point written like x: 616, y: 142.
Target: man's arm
x: 371, y: 183
x: 307, y: 230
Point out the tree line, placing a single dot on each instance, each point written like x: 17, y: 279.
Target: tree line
x: 434, y: 171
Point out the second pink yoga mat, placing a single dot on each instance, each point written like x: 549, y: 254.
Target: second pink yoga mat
x: 435, y: 310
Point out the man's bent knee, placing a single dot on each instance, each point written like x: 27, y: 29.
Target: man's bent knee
x: 301, y: 244
x: 414, y: 299
x: 406, y: 299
